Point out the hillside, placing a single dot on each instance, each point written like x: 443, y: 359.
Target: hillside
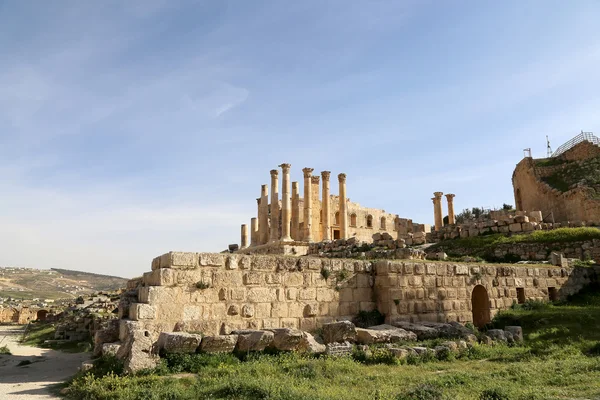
x: 29, y: 283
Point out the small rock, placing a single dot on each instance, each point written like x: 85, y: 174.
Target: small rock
x: 516, y: 331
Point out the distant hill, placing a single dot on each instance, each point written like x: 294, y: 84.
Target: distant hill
x: 29, y: 283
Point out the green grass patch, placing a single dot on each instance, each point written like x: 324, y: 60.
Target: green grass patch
x: 38, y: 333
x: 484, y: 246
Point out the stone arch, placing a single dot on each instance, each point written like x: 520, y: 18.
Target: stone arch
x: 41, y: 315
x: 382, y: 223
x: 353, y: 219
x: 480, y: 304
x: 369, y: 221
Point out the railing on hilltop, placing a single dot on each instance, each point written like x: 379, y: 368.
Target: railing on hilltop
x: 582, y: 137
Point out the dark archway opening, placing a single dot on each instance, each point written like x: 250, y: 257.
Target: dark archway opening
x: 41, y: 315
x: 480, y: 304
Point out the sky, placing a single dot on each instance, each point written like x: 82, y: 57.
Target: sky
x: 130, y: 129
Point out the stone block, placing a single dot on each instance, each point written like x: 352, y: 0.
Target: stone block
x: 211, y: 259
x: 307, y: 294
x: 140, y: 311
x: 261, y: 295
x: 218, y: 344
x: 339, y: 332
x: 179, y: 342
x: 515, y: 227
x: 339, y: 349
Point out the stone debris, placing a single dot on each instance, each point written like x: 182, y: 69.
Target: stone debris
x: 287, y: 339
x: 339, y: 349
x: 516, y: 331
x: 339, y: 332
x: 383, y: 334
x: 310, y: 344
x: 218, y: 344
x: 253, y: 340
x: 178, y: 342
x: 110, y: 349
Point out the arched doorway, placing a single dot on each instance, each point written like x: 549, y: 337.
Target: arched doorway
x: 41, y: 315
x: 480, y: 304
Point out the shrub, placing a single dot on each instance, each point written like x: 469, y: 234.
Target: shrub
x: 426, y: 391
x: 445, y: 354
x: 4, y: 350
x: 325, y: 273
x: 494, y: 394
x: 364, y: 319
x: 202, y: 285
x: 595, y: 350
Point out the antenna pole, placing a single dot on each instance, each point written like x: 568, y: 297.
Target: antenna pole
x: 548, y: 148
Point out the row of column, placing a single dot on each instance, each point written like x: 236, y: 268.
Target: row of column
x: 262, y: 232
x: 438, y: 214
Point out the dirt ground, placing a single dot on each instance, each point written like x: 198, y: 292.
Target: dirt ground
x: 33, y: 381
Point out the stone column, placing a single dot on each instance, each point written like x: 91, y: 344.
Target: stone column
x: 274, y: 206
x: 263, y: 215
x: 244, y: 239
x: 253, y: 231
x: 316, y: 208
x: 343, y: 207
x: 286, y: 206
x: 437, y: 210
x: 325, y: 205
x: 296, y: 234
x: 451, y: 218
x: 307, y: 204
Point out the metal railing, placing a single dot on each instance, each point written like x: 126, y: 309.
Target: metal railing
x: 582, y: 137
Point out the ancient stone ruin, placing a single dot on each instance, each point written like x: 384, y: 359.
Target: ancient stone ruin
x: 220, y: 294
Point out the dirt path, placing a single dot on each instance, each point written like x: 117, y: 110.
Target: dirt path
x: 33, y: 381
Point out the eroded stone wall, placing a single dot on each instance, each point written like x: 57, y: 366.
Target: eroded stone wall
x: 218, y: 293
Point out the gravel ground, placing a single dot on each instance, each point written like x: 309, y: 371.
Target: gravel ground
x: 33, y: 381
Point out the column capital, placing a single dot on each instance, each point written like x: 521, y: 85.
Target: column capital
x: 285, y: 167
x: 264, y: 190
x: 258, y: 201
x: 342, y: 177
x: 307, y: 172
x: 450, y: 196
x: 274, y: 172
x: 434, y: 199
x: 315, y: 179
x: 325, y: 174
x: 438, y: 195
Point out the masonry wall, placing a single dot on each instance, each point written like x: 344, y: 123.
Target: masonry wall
x: 532, y: 193
x: 417, y: 291
x: 218, y: 293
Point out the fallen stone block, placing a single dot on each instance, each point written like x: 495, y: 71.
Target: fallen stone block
x: 497, y: 334
x: 253, y: 340
x: 218, y: 344
x: 339, y: 332
x: 383, y: 334
x: 422, y: 332
x: 310, y: 344
x: 339, y: 349
x: 110, y: 349
x: 286, y: 339
x: 179, y: 342
x: 516, y: 331
x: 107, y: 335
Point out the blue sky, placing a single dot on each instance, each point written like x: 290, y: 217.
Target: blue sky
x: 128, y: 129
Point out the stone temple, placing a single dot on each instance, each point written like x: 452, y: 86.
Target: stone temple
x: 286, y: 225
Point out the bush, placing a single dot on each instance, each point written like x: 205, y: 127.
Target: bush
x: 325, y: 273
x: 379, y: 355
x: 426, y: 391
x: 494, y: 394
x: 365, y: 319
x: 4, y: 350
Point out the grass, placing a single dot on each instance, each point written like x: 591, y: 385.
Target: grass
x: 38, y: 333
x: 483, y: 246
x: 560, y: 359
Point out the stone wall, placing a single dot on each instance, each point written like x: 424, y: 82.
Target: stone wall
x: 579, y: 203
x: 21, y: 315
x: 218, y: 293
x: 413, y: 291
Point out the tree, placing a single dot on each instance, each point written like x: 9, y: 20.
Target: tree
x: 507, y: 207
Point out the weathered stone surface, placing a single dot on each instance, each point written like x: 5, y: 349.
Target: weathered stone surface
x: 400, y: 353
x: 485, y: 339
x: 310, y: 344
x: 179, y: 342
x: 497, y: 334
x: 107, y: 335
x: 137, y: 351
x: 516, y: 331
x: 110, y: 349
x: 286, y: 339
x: 339, y: 332
x: 422, y: 332
x: 339, y: 349
x: 453, y: 346
x: 249, y: 340
x: 218, y: 344
x: 383, y: 334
